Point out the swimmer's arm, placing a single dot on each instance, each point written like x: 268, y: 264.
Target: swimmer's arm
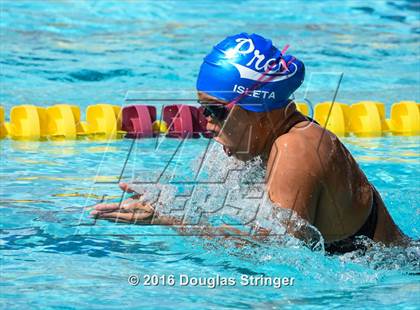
x: 292, y: 181
x: 134, y: 211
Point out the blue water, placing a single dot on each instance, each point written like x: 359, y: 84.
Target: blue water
x: 55, y: 256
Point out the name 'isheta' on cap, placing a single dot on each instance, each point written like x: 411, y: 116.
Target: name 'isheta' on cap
x: 251, y: 68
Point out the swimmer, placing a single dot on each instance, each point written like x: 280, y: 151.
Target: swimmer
x: 245, y: 84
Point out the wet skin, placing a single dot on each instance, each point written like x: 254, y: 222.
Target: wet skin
x: 309, y: 171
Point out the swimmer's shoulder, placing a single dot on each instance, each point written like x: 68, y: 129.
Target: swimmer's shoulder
x: 313, y: 136
x: 295, y: 139
x: 300, y: 148
x: 290, y: 146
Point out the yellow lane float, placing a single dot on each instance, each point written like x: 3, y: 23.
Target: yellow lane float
x: 302, y: 108
x: 333, y: 116
x: 104, y: 121
x: 63, y: 121
x: 160, y: 127
x: 28, y: 122
x: 365, y: 118
x: 3, y: 128
x: 384, y: 124
x: 405, y: 118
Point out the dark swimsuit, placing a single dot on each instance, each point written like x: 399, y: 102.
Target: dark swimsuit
x: 351, y: 243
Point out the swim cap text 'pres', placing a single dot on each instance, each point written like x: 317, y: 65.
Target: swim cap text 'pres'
x: 250, y: 68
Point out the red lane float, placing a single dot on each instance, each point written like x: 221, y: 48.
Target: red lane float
x: 138, y: 120
x: 180, y: 121
x: 183, y: 121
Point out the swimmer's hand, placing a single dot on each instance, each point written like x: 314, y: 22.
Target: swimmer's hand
x: 128, y: 211
x: 131, y: 210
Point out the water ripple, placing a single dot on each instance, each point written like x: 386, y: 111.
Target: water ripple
x: 95, y: 76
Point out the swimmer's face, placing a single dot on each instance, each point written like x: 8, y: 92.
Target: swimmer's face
x: 240, y: 133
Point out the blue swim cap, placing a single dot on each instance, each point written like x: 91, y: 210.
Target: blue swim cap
x: 250, y: 64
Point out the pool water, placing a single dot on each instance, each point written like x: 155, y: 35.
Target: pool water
x: 53, y: 255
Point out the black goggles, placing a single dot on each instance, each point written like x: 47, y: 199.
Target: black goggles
x: 217, y: 111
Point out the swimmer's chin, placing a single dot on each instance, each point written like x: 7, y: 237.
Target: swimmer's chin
x: 238, y: 155
x: 243, y: 156
x: 227, y: 151
x: 230, y: 152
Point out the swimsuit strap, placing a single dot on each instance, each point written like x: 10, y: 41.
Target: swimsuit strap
x: 301, y: 118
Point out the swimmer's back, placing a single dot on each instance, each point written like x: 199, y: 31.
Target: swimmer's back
x: 343, y: 193
x: 344, y: 197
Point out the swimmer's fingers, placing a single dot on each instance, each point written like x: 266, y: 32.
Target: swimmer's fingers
x: 136, y: 216
x: 128, y: 206
x: 135, y: 206
x: 106, y: 207
x: 130, y: 189
x: 125, y: 187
